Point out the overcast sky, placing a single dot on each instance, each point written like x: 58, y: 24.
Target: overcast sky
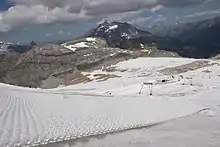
x: 45, y: 20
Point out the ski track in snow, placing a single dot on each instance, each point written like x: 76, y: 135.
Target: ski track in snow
x: 33, y: 119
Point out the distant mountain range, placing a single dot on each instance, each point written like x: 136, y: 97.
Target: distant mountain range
x: 50, y: 65
x: 203, y: 36
x: 197, y: 40
x: 60, y: 63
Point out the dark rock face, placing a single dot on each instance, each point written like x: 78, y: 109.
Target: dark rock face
x: 7, y: 61
x: 117, y: 34
x: 126, y: 36
x: 38, y: 64
x: 196, y: 40
x: 202, y: 39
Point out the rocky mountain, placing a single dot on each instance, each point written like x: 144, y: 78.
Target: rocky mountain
x: 126, y: 36
x: 50, y: 65
x: 121, y: 35
x: 38, y: 64
x: 202, y: 38
x: 196, y: 40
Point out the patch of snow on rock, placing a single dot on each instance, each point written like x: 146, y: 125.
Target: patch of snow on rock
x: 71, y: 47
x: 74, y: 47
x: 111, y: 28
x: 87, y: 55
x: 91, y: 39
x: 113, y: 54
x: 125, y: 35
x: 81, y: 45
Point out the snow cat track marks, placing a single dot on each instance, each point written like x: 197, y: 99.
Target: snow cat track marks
x: 65, y: 119
x: 19, y: 121
x: 3, y: 115
x: 41, y: 124
x: 33, y: 121
x: 16, y: 129
x: 4, y: 103
x: 8, y: 120
x: 25, y: 130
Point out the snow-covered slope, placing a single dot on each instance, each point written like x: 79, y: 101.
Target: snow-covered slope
x: 89, y: 42
x: 36, y: 116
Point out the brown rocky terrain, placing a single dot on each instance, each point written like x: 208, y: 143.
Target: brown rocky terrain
x: 50, y: 65
x: 38, y: 64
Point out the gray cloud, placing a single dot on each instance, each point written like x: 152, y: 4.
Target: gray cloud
x: 106, y: 6
x: 48, y: 11
x: 140, y: 20
x: 179, y: 3
x: 20, y: 15
x: 123, y: 17
x: 205, y: 13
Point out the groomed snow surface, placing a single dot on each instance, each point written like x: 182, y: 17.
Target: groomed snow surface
x: 33, y: 117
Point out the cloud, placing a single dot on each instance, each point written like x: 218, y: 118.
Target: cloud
x: 49, y: 35
x: 179, y: 3
x: 204, y: 13
x: 20, y: 15
x: 60, y: 32
x: 123, y: 17
x: 140, y: 20
x: 160, y: 18
x: 26, y: 12
x: 157, y: 8
x: 95, y: 6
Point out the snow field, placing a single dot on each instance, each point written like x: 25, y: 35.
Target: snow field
x: 32, y: 117
x: 29, y: 118
x: 144, y: 69
x: 153, y: 63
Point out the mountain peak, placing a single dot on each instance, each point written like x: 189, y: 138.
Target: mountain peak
x: 117, y: 34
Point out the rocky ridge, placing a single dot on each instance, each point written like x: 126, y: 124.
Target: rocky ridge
x: 50, y: 65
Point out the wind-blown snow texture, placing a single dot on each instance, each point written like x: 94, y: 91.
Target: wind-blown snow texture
x: 34, y: 117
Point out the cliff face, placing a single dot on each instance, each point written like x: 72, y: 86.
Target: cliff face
x: 40, y: 63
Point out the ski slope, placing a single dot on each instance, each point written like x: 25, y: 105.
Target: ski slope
x: 33, y: 117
